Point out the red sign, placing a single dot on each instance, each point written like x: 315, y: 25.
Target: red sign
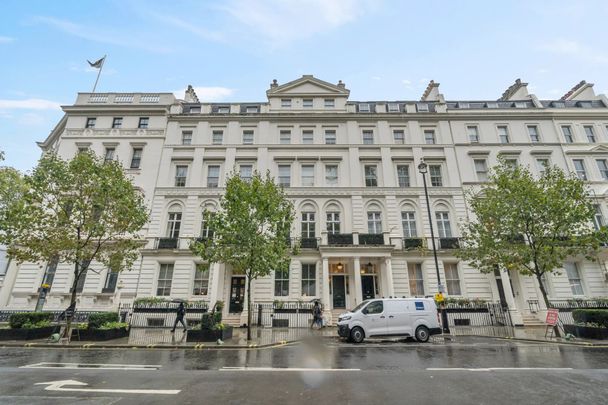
x: 552, y: 316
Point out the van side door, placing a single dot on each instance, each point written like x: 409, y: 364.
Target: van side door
x: 374, y: 318
x: 399, y: 319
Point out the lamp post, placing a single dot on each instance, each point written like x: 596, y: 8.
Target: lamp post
x: 423, y: 168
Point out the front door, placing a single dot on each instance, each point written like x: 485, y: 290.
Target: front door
x: 368, y: 287
x: 237, y: 294
x: 338, y: 292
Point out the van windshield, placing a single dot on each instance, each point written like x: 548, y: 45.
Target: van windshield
x: 361, y: 305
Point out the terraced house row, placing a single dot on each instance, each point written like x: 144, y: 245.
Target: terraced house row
x: 350, y: 168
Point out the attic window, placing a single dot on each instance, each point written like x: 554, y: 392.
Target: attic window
x: 286, y: 103
x: 307, y: 103
x: 329, y: 103
x: 520, y: 104
x: 251, y: 109
x: 423, y: 107
x: 393, y: 107
x: 558, y: 104
x: 195, y: 110
x: 463, y: 105
x: 584, y: 104
x: 223, y: 109
x: 364, y: 107
x: 492, y: 105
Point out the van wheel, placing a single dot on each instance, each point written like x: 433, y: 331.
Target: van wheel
x: 422, y: 334
x: 357, y: 335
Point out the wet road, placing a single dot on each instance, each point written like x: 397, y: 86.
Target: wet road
x: 467, y: 371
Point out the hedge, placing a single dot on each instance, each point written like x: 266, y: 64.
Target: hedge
x: 96, y: 320
x: 598, y: 316
x: 17, y: 320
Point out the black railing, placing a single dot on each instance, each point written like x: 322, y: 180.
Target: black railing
x: 340, y: 239
x: 412, y: 243
x: 533, y: 306
x: 478, y: 314
x: 309, y: 243
x: 449, y: 243
x: 565, y: 307
x: 371, y: 239
x: 283, y: 314
x: 167, y: 243
x: 162, y: 315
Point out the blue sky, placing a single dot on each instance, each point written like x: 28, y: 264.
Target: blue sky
x: 231, y: 50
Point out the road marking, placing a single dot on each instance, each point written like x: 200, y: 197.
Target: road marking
x: 501, y: 369
x: 286, y: 369
x: 90, y: 366
x: 58, y: 386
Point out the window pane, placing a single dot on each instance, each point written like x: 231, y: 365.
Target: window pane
x: 285, y: 175
x: 331, y: 175
x: 503, y: 134
x: 218, y: 137
x: 574, y: 278
x: 443, y: 224
x: 429, y: 136
x: 481, y: 169
x: 307, y: 137
x: 285, y: 137
x: 333, y: 222
x: 408, y: 222
x: 416, y: 281
x: 374, y: 222
x: 436, y: 178
x: 368, y: 137
x: 403, y: 175
x: 399, y: 136
x: 201, y: 280
x: 309, y: 275
x: 213, y: 176
x: 330, y: 137
x: 473, y: 133
x: 165, y: 279
x: 371, y: 178
x: 452, y: 278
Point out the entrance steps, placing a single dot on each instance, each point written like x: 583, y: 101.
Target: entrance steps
x: 532, y: 320
x: 232, y: 320
x: 335, y: 313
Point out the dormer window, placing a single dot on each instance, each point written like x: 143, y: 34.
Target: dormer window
x: 364, y: 107
x: 252, y: 109
x: 463, y: 105
x: 223, y: 109
x: 307, y: 103
x: 285, y: 103
x: 558, y: 104
x: 393, y: 107
x: 584, y: 104
x: 492, y: 105
x: 520, y: 104
x: 423, y: 107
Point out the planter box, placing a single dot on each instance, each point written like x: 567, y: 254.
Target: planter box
x: 586, y: 332
x: 26, y: 334
x: 206, y: 335
x: 101, y: 334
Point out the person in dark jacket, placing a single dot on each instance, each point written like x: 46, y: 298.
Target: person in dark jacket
x: 317, y: 316
x: 181, y: 311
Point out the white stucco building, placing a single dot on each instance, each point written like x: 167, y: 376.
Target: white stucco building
x: 350, y: 168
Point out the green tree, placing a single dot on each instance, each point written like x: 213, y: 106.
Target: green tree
x: 11, y: 190
x: 76, y: 211
x: 530, y: 225
x: 250, y: 230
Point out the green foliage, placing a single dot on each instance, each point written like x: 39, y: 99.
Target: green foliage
x: 207, y: 321
x: 114, y: 325
x: 11, y: 191
x: 20, y: 319
x: 150, y: 300
x: 96, y: 320
x: 39, y: 324
x: 218, y: 326
x: 217, y: 317
x: 530, y: 225
x: 473, y: 302
x: 591, y: 316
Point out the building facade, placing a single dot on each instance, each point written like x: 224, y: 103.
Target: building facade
x: 349, y: 167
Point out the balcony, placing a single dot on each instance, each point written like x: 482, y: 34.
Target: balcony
x: 371, y: 239
x: 412, y: 243
x: 449, y: 243
x: 167, y: 243
x: 340, y: 239
x: 309, y: 243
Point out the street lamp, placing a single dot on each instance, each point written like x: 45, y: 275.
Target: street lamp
x: 423, y: 169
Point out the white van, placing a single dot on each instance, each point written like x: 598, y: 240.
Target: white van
x: 417, y: 317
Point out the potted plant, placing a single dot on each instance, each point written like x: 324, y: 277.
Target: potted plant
x: 28, y: 325
x: 211, y: 329
x: 104, y: 326
x: 589, y: 324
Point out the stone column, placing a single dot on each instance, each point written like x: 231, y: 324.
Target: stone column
x: 357, y: 276
x: 388, y: 267
x: 325, y: 286
x: 214, y: 288
x: 506, y: 285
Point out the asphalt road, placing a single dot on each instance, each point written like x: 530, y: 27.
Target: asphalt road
x: 467, y: 371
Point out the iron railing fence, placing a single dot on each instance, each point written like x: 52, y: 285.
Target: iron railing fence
x: 478, y: 314
x: 565, y: 307
x: 163, y: 315
x: 283, y: 314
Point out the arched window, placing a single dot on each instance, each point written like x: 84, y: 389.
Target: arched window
x: 308, y: 221
x: 408, y: 221
x: 374, y: 219
x: 332, y: 219
x: 442, y: 216
x: 174, y: 221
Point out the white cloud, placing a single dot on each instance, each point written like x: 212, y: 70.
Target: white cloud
x: 32, y: 120
x: 188, y: 26
x: 29, y: 104
x: 575, y: 49
x: 406, y: 82
x: 284, y: 21
x: 207, y: 93
x: 6, y: 40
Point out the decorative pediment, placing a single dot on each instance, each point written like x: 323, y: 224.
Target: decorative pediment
x: 599, y: 149
x: 307, y: 85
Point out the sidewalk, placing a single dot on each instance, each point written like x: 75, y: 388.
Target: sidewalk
x: 530, y: 333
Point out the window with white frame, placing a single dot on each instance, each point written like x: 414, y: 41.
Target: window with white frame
x: 574, y: 278
x: 200, y: 285
x: 371, y: 176
x: 223, y: 109
x: 452, y: 279
x: 374, y: 222
x: 285, y: 175
x: 436, y: 177
x: 165, y: 279
x: 403, y: 175
x: 246, y: 172
x: 49, y: 274
x: 330, y: 137
x: 286, y: 103
x: 308, y: 175
x: 408, y: 223
x: 309, y: 279
x: 308, y: 225
x: 307, y: 103
x: 143, y: 122
x: 251, y: 109
x: 364, y: 107
x: 281, y: 282
x: 206, y: 231
x: 368, y: 137
x: 136, y: 158
x: 393, y: 107
x: 567, y: 132
x: 503, y: 133
x: 248, y: 137
x: 186, y: 137
x: 541, y: 165
x: 533, y: 132
x: 399, y: 136
x: 217, y: 137
x: 109, y: 154
x: 329, y: 103
x: 117, y: 122
x: 422, y: 107
x: 416, y: 279
x: 109, y: 284
x: 602, y: 165
x: 589, y: 133
x: 443, y: 224
x: 331, y: 175
x: 473, y: 133
x: 307, y: 136
x: 90, y: 123
x: 285, y: 137
x: 181, y: 173
x: 481, y: 169
x: 429, y: 136
x: 598, y: 217
x: 333, y: 222
x: 174, y: 222
x: 213, y: 176
x: 579, y: 167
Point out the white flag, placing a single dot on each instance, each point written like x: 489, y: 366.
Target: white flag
x: 97, y: 64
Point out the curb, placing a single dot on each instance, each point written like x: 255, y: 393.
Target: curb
x: 582, y: 344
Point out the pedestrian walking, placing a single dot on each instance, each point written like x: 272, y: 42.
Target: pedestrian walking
x: 181, y: 311
x: 317, y: 316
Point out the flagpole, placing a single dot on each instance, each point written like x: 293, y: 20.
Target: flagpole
x: 99, y: 73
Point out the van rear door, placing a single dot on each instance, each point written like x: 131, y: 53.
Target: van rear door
x: 399, y: 319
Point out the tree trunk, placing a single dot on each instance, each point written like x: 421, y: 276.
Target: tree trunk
x: 546, y: 299
x: 68, y: 326
x: 248, y: 307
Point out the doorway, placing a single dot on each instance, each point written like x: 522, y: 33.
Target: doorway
x: 368, y: 286
x: 338, y: 292
x: 237, y: 294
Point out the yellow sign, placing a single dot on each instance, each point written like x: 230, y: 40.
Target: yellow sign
x: 439, y: 297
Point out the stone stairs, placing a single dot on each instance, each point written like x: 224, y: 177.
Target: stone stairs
x: 232, y: 320
x: 532, y: 320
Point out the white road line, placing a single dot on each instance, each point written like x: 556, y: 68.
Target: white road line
x: 92, y: 366
x: 286, y: 369
x: 501, y: 369
x: 58, y: 386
